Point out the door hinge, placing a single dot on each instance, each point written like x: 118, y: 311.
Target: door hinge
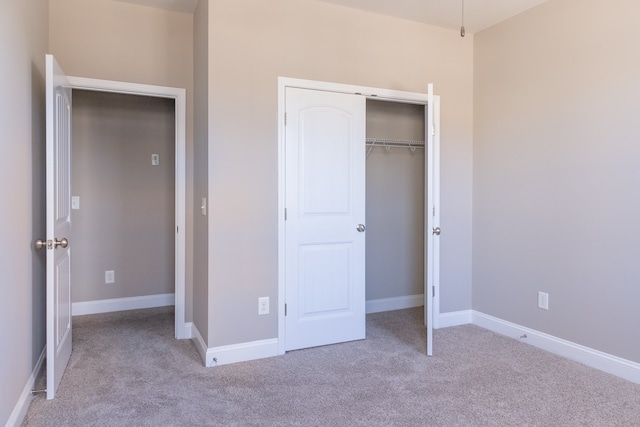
x: 285, y: 119
x: 433, y: 211
x: 285, y: 214
x: 433, y: 131
x: 434, y: 291
x: 285, y: 309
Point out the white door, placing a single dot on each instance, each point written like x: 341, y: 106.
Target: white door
x: 324, y: 227
x: 432, y: 213
x: 58, y: 224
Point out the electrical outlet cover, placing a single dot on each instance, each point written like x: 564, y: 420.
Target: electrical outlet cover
x: 109, y: 276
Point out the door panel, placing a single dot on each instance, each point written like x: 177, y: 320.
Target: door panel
x: 324, y: 291
x: 58, y: 224
x: 325, y: 191
x: 432, y: 209
x: 325, y: 147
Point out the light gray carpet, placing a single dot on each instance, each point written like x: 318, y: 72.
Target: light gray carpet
x: 127, y: 370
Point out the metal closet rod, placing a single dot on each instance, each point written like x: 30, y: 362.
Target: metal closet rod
x: 394, y: 142
x: 388, y: 143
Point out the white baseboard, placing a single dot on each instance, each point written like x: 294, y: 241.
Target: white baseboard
x: 21, y: 408
x: 396, y: 303
x: 121, y: 304
x: 186, y: 332
x: 594, y: 358
x: 198, y: 341
x: 455, y: 318
x: 243, y: 352
x: 224, y: 355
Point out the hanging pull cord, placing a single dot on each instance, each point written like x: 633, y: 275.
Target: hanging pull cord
x: 462, y: 31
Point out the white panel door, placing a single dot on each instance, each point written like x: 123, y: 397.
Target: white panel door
x: 58, y: 224
x: 324, y: 228
x: 432, y: 213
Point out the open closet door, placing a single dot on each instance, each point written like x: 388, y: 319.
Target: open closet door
x: 325, y: 213
x: 432, y: 214
x: 58, y: 215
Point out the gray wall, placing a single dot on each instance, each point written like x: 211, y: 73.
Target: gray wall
x: 556, y: 174
x: 251, y: 44
x: 201, y: 169
x: 126, y: 218
x: 23, y: 44
x: 395, y: 202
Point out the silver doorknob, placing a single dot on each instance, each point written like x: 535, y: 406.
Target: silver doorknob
x: 436, y: 231
x: 64, y: 243
x: 40, y: 244
x: 361, y: 228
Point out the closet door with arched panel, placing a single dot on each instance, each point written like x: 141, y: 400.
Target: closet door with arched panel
x: 325, y: 215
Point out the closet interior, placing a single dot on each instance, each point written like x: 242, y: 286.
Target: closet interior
x: 395, y: 179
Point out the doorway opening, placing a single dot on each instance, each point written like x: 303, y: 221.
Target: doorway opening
x: 395, y: 201
x: 153, y: 210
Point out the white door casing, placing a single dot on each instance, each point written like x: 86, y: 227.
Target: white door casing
x: 432, y: 188
x: 432, y: 214
x: 325, y: 199
x: 182, y: 327
x: 58, y: 174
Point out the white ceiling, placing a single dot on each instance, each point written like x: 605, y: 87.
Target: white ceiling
x: 478, y: 14
x: 187, y: 6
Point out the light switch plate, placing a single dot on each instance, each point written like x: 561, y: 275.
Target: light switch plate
x: 263, y: 305
x: 543, y: 300
x: 75, y: 202
x: 203, y: 206
x: 155, y: 159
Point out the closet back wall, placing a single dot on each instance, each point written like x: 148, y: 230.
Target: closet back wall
x: 395, y: 202
x: 126, y: 218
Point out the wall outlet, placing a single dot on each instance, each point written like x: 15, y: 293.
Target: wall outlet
x: 543, y: 300
x: 109, y: 276
x: 263, y: 305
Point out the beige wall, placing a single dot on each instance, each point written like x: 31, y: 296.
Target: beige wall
x: 251, y: 43
x: 126, y: 218
x: 111, y: 40
x: 556, y: 172
x: 23, y: 44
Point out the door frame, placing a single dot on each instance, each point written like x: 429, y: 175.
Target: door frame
x: 182, y: 328
x: 370, y: 93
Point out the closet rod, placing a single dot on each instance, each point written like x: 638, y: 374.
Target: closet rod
x: 395, y: 142
x: 388, y: 143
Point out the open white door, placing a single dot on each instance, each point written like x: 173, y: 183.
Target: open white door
x: 432, y: 213
x: 58, y: 224
x: 325, y: 212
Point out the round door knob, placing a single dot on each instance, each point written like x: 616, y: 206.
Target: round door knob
x: 436, y: 231
x: 361, y: 228
x: 64, y: 243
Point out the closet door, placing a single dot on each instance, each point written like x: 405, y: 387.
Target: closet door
x: 432, y: 216
x: 324, y: 228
